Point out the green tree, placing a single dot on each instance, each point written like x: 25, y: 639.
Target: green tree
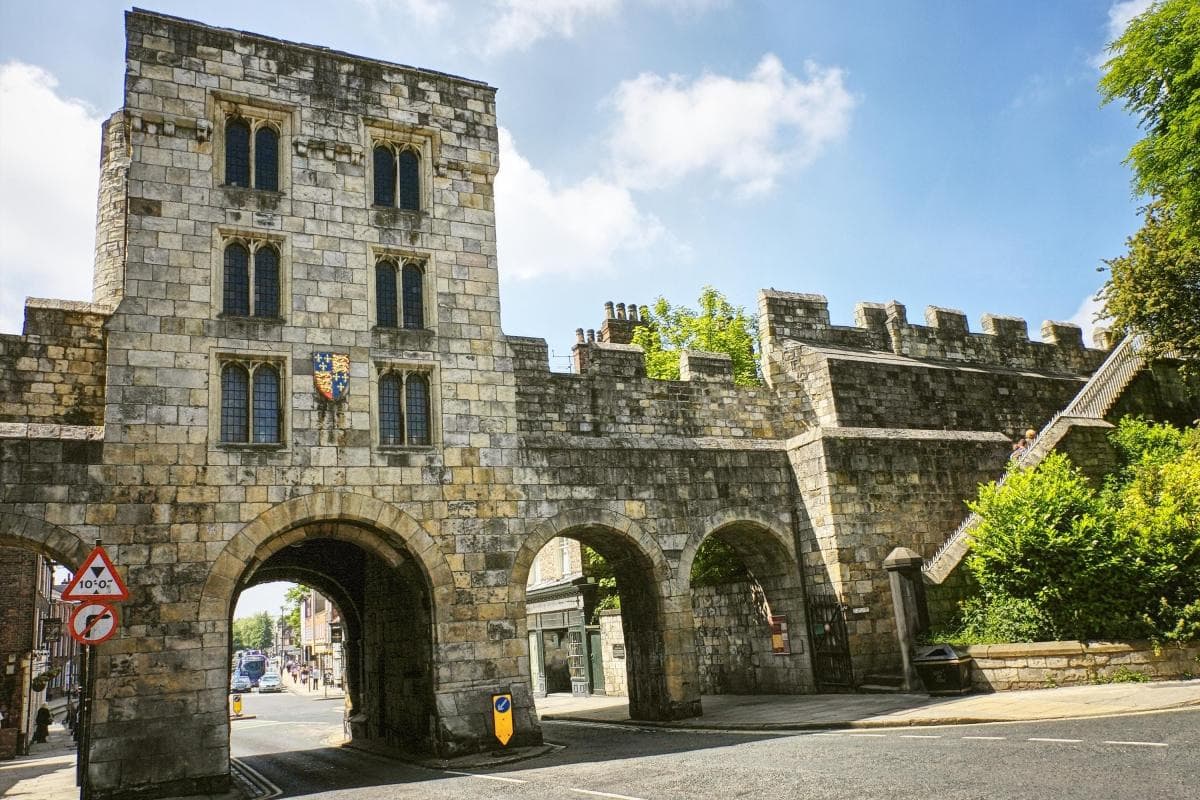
x: 254, y: 633
x: 292, y: 598
x: 718, y: 327
x: 1155, y: 70
x: 1155, y: 287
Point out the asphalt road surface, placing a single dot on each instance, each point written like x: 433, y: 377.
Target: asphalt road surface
x: 292, y: 744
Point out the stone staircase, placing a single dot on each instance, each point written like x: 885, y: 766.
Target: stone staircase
x: 1088, y: 407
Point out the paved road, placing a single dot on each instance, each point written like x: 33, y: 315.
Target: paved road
x: 1148, y: 756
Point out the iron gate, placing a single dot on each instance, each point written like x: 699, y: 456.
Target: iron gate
x: 830, y: 644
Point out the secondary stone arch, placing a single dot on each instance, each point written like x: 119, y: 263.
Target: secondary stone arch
x: 654, y: 616
x: 735, y: 622
x: 30, y: 533
x: 378, y: 527
x: 768, y: 530
x: 571, y: 523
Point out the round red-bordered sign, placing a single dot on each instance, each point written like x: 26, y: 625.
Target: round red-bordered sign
x: 93, y: 623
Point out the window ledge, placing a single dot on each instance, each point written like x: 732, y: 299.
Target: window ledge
x: 390, y: 216
x: 255, y: 447
x: 404, y: 448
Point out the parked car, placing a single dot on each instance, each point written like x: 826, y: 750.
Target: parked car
x: 240, y: 682
x: 270, y: 682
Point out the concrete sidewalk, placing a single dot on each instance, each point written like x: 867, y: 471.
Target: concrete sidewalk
x: 817, y: 711
x: 47, y: 773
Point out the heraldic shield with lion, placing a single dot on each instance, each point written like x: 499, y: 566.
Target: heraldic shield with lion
x: 331, y: 374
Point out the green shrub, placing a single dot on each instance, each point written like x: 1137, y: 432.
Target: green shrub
x: 1054, y: 558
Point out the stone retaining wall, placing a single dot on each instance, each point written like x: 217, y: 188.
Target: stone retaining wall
x: 1044, y: 665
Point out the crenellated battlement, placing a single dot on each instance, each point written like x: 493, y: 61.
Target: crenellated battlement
x: 1004, y: 343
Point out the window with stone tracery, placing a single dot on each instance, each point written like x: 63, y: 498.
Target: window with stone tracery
x: 250, y: 279
x: 251, y: 154
x: 404, y: 407
x: 251, y: 406
x: 397, y: 176
x: 399, y: 293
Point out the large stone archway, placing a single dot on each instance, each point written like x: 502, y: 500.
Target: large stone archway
x: 392, y: 584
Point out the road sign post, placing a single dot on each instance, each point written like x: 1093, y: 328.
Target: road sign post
x: 93, y: 623
x: 97, y: 579
x: 502, y: 721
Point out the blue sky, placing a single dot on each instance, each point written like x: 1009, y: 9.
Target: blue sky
x: 937, y: 153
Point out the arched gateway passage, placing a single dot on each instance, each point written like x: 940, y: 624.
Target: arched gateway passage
x: 657, y: 638
x: 750, y: 628
x: 370, y: 560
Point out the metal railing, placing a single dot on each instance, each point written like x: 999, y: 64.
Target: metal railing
x: 1093, y: 401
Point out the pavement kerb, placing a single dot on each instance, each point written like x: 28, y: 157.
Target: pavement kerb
x: 472, y: 761
x: 920, y: 722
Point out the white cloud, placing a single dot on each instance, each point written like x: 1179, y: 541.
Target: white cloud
x: 1120, y: 14
x: 1085, y: 317
x: 746, y: 131
x: 523, y: 22
x: 545, y: 229
x: 49, y: 170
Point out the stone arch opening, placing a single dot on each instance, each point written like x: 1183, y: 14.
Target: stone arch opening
x: 749, y: 615
x: 655, y: 666
x: 372, y: 562
x: 39, y: 662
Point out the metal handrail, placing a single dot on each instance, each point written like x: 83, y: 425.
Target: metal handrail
x: 1093, y: 400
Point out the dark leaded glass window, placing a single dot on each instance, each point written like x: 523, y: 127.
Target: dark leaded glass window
x: 418, y: 409
x: 414, y: 309
x: 385, y: 177
x: 409, y: 168
x: 235, y: 403
x: 391, y: 415
x: 236, y: 299
x: 266, y: 159
x: 385, y: 295
x: 237, y: 152
x: 266, y: 282
x: 266, y: 404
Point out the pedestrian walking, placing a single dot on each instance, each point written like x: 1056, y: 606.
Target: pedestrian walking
x: 41, y: 726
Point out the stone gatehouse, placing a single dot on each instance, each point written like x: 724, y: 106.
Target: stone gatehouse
x: 270, y: 209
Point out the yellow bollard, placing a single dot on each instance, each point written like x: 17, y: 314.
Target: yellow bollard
x: 237, y: 705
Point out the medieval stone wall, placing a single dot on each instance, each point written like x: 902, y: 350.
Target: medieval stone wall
x: 865, y: 437
x: 54, y: 372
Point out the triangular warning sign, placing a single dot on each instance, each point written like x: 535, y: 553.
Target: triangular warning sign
x: 97, y: 579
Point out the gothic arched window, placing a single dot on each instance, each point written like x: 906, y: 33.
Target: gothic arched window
x: 251, y: 154
x: 237, y: 152
x: 414, y: 304
x: 391, y: 409
x: 251, y: 280
x: 251, y: 408
x: 266, y: 404
x: 397, y: 173
x: 236, y: 290
x: 266, y: 159
x: 235, y: 403
x: 266, y: 282
x: 386, y: 312
x: 416, y: 393
x: 408, y: 168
